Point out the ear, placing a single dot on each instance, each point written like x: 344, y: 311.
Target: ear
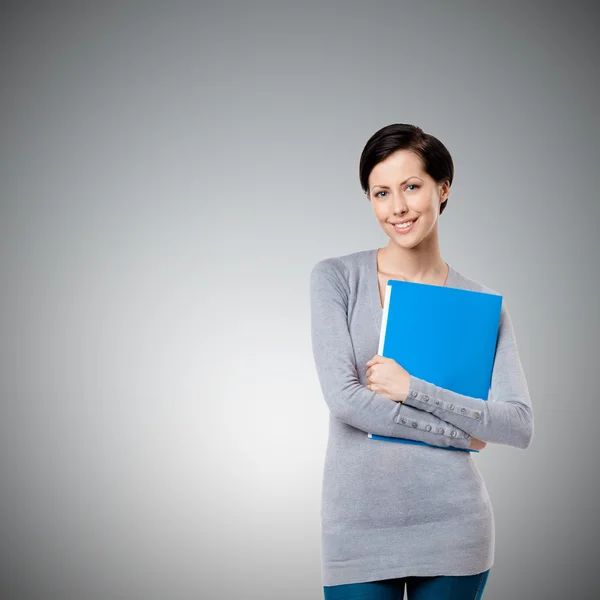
x: 444, y: 190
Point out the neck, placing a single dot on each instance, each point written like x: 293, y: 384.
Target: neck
x: 415, y: 264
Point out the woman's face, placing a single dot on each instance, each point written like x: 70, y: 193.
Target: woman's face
x: 399, y: 189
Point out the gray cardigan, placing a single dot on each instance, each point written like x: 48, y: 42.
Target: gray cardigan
x: 394, y: 510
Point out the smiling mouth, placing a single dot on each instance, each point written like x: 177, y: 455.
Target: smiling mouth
x: 405, y: 228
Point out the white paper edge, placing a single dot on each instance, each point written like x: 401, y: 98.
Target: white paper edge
x: 386, y: 308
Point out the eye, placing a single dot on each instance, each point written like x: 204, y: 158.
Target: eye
x: 414, y: 185
x: 377, y: 194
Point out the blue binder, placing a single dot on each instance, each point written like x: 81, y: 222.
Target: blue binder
x: 444, y: 335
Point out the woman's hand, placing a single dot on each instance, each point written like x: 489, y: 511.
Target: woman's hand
x: 476, y: 444
x: 386, y: 377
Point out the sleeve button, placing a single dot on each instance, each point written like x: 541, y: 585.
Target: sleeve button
x: 413, y: 394
x: 451, y: 406
x: 463, y: 411
x: 453, y: 434
x: 476, y: 415
x: 440, y: 430
x: 403, y: 419
x: 428, y: 427
x: 426, y: 398
x: 414, y: 423
x: 438, y: 402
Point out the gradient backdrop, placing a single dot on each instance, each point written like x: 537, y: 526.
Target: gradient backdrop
x: 170, y: 173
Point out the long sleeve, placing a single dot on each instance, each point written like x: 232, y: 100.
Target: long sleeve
x: 348, y: 400
x: 506, y: 418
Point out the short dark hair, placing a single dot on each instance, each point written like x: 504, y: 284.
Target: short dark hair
x: 403, y: 136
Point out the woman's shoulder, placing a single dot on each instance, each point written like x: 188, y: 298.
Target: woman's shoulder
x: 345, y: 264
x: 465, y: 282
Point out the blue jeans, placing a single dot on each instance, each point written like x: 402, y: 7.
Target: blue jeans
x: 441, y: 587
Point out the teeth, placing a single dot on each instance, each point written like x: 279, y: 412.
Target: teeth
x: 405, y: 225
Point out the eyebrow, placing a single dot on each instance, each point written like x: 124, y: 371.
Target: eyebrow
x: 402, y: 183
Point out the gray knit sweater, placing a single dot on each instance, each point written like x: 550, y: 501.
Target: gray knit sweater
x: 393, y: 510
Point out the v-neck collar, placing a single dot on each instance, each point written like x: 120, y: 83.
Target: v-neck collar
x: 373, y: 284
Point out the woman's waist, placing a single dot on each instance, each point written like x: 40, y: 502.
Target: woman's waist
x: 388, y: 464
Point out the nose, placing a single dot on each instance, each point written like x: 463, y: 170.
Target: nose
x: 398, y: 204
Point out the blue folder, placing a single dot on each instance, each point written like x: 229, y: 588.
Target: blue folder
x: 444, y: 335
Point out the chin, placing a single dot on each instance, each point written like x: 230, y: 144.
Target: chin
x: 407, y: 243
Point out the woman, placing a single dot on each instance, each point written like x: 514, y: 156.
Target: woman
x: 396, y: 515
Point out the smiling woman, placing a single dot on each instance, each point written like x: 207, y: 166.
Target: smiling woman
x: 396, y: 515
x: 406, y: 175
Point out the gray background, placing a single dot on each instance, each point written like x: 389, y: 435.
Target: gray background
x: 170, y: 173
